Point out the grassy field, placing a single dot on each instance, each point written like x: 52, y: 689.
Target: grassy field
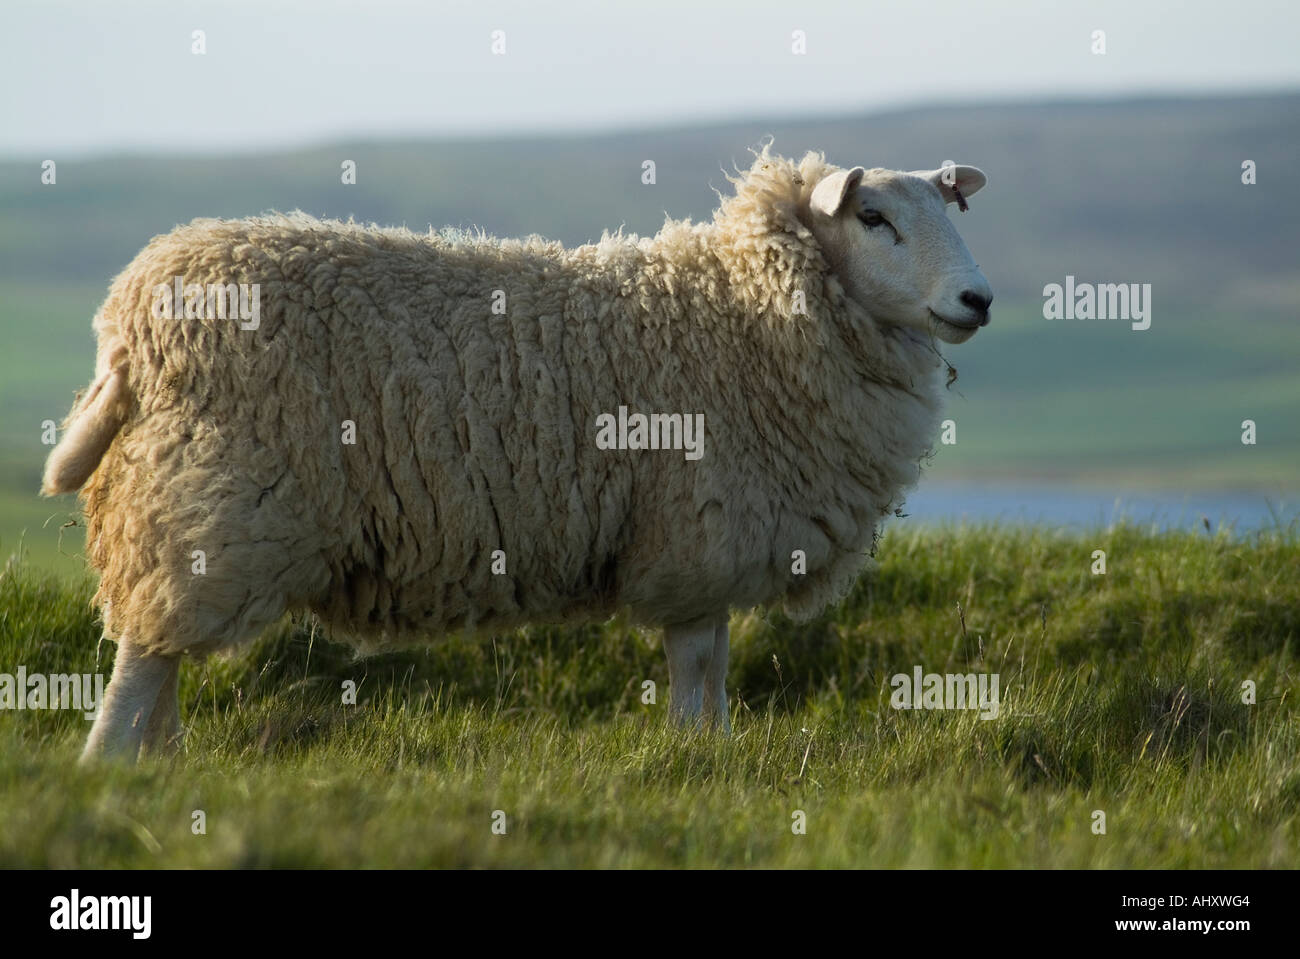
x: 1120, y: 693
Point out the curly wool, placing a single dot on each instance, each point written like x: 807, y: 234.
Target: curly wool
x: 475, y: 432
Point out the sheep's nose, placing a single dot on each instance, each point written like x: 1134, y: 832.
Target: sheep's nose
x: 979, y: 303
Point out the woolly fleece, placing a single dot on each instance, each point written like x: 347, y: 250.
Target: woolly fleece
x: 476, y: 432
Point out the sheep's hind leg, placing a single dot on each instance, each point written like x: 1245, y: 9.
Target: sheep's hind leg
x: 128, y: 704
x: 716, y: 710
x: 162, y: 734
x: 690, y: 650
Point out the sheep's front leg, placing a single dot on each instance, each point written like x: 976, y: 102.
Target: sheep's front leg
x: 697, y: 672
x: 128, y: 704
x: 690, y: 650
x: 716, y: 709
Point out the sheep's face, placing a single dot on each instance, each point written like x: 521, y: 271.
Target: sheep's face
x: 887, y: 237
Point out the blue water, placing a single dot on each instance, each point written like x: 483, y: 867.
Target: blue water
x: 1088, y: 508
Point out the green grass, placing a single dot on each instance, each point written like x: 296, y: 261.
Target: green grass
x: 1120, y: 693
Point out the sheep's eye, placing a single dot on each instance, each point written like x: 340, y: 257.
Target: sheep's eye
x: 872, y: 219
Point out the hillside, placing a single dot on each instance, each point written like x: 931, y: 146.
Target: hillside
x: 1143, y: 191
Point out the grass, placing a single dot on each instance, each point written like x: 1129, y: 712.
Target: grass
x: 1121, y: 693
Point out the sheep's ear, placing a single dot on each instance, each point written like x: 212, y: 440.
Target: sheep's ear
x: 828, y: 196
x: 967, y: 179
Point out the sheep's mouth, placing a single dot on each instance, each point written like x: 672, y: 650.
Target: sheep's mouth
x: 951, y: 331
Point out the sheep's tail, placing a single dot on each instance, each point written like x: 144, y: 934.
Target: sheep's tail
x: 91, y: 426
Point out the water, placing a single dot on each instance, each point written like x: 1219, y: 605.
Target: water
x: 1087, y: 508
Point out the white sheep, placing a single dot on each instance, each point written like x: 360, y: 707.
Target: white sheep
x: 414, y: 434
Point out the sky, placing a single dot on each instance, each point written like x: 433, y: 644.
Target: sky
x: 93, y: 77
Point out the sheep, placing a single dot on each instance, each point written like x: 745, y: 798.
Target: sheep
x: 403, y: 440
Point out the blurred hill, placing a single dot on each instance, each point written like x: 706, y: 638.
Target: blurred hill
x: 1142, y: 191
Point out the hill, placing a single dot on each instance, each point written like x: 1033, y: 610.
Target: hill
x: 1132, y: 191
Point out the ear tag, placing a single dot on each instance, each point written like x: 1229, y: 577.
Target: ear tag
x: 962, y: 205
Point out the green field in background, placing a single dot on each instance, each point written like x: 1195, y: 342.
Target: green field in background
x: 1138, y: 190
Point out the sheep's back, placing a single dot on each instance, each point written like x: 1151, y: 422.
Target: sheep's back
x: 423, y: 440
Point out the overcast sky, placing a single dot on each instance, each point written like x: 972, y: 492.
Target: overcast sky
x: 95, y: 76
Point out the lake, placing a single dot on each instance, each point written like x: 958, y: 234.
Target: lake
x: 1085, y: 507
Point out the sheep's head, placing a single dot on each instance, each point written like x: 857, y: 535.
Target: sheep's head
x: 887, y: 237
